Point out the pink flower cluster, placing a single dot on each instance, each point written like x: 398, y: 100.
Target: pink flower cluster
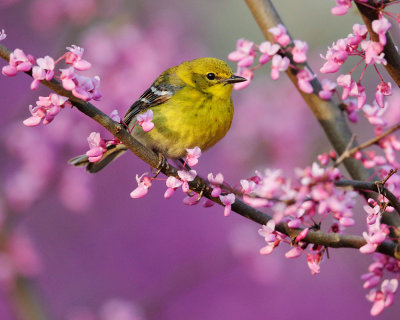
x: 299, y: 204
x: 182, y: 181
x: 246, y: 53
x: 81, y: 87
x: 97, y: 147
x: 46, y: 109
x: 383, y: 297
x: 343, y: 6
x: 356, y: 44
x: 273, y: 238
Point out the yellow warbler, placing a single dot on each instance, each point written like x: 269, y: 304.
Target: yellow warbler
x: 191, y: 105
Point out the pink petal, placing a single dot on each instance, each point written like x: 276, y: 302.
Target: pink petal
x: 168, y: 193
x: 32, y: 121
x: 139, y: 192
x: 147, y: 126
x: 293, y: 253
x: 82, y: 65
x: 9, y: 71
x: 227, y: 210
x: 368, y: 248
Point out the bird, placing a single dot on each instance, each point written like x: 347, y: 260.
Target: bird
x: 191, y: 105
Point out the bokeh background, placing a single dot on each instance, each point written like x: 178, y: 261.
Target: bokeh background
x: 88, y: 249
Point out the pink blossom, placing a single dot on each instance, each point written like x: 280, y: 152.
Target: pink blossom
x: 46, y: 109
x: 280, y: 35
x: 381, y: 26
x: 299, y: 51
x: 186, y: 177
x: 373, y: 52
x: 145, y: 120
x: 323, y: 159
x: 244, y: 53
x: 371, y: 159
x: 193, y: 156
x: 341, y: 8
x: 97, y: 147
x: 227, y: 201
x: 2, y: 35
x: 43, y: 71
x: 255, y: 202
x: 268, y: 231
x: 361, y: 96
x: 268, y: 50
x: 115, y: 116
x: 371, y: 279
x: 328, y: 87
x: 304, y: 78
x: 372, y: 213
x: 18, y: 62
x: 247, y: 186
x: 360, y: 31
x: 192, y: 200
x: 345, y: 81
x: 74, y: 58
x: 383, y: 89
x: 279, y: 64
x: 293, y: 253
x: 377, y: 233
x: 267, y: 249
x: 374, y: 114
x: 313, y: 261
x: 87, y: 88
x: 172, y: 184
x: 351, y: 110
x: 335, y: 57
x: 246, y: 73
x: 383, y: 298
x: 67, y: 78
x: 144, y: 183
x: 390, y: 144
x: 216, y: 183
x: 302, y: 234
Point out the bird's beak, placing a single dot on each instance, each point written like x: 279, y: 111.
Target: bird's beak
x: 234, y: 79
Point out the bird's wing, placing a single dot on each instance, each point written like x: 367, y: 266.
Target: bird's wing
x: 160, y: 91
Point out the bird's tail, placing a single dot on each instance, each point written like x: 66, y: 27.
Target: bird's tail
x: 112, y: 153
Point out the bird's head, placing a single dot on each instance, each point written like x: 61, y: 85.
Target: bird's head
x: 209, y: 75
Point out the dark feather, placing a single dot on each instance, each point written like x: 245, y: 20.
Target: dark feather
x: 160, y: 91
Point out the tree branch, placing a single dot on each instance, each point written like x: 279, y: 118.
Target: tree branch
x: 371, y: 186
x: 327, y: 113
x: 200, y: 185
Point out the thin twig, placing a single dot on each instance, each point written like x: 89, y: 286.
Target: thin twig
x: 377, y: 186
x: 367, y: 144
x: 346, y: 152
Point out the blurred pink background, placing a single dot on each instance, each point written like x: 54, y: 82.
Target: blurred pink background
x: 98, y: 254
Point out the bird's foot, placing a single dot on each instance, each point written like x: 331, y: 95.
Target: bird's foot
x: 162, y: 164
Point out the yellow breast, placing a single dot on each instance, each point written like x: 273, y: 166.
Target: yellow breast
x: 180, y: 124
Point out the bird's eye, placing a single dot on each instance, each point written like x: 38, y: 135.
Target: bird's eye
x: 210, y: 76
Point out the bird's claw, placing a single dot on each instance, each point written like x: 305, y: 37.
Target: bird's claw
x: 162, y: 163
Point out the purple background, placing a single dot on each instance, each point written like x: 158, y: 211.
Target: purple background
x: 168, y: 260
